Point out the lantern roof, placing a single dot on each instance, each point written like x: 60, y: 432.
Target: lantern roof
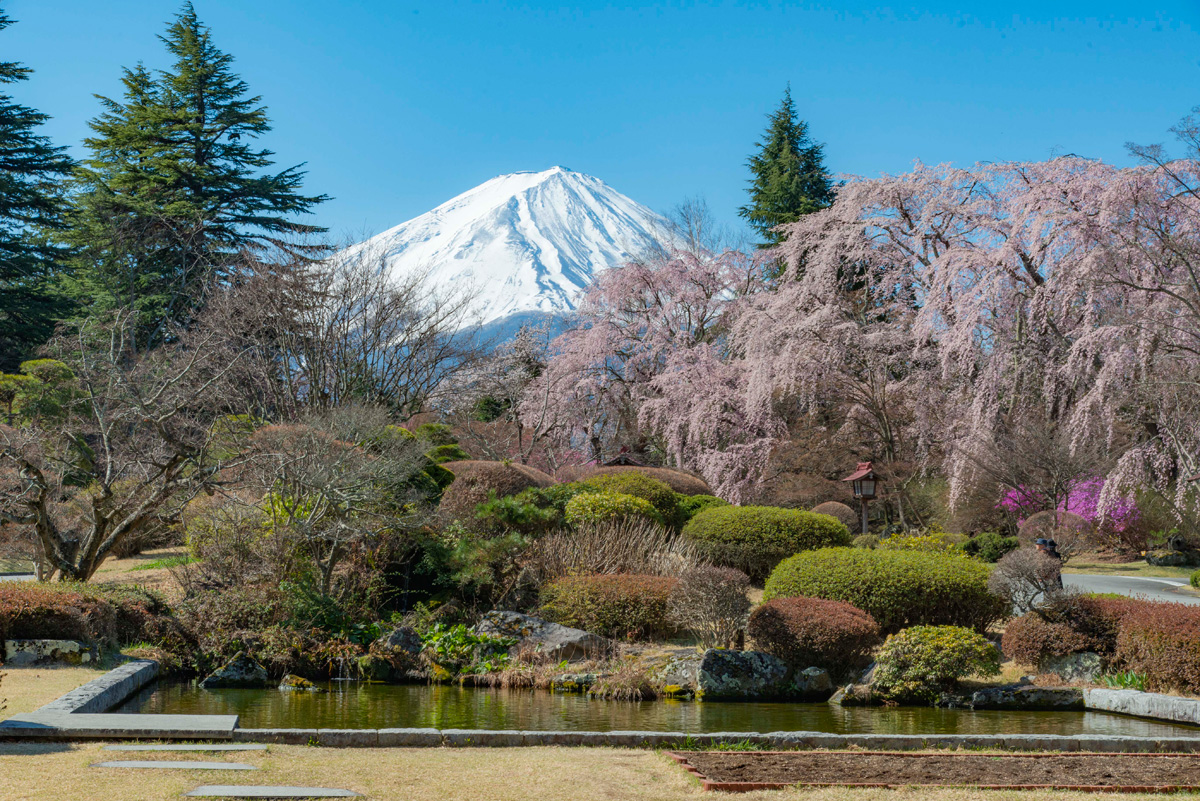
x: 863, y: 470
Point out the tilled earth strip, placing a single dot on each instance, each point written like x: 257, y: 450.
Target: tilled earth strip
x: 761, y: 770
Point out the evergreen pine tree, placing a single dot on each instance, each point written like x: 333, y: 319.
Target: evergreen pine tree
x: 789, y: 174
x: 30, y: 203
x: 173, y: 190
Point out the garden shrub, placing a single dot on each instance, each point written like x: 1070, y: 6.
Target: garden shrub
x: 897, y: 588
x: 622, y: 606
x: 677, y: 480
x: 869, y: 541
x: 630, y: 545
x: 639, y: 485
x: 1026, y: 578
x: 1195, y: 579
x: 755, y: 538
x: 598, y: 507
x: 990, y: 546
x: 926, y: 539
x: 92, y: 613
x: 922, y: 662
x: 850, y: 518
x: 808, y: 632
x: 711, y: 604
x: 475, y: 480
x: 1070, y: 624
x: 1161, y: 641
x: 688, y: 506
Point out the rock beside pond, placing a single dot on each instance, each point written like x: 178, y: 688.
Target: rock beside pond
x: 812, y: 683
x: 1083, y: 666
x: 298, y: 684
x: 404, y: 639
x: 1026, y: 697
x: 854, y: 695
x: 574, y: 682
x: 241, y: 671
x: 741, y: 674
x: 556, y: 642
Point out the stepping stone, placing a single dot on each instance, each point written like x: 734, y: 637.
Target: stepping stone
x: 134, y: 763
x: 185, y: 747
x: 234, y: 791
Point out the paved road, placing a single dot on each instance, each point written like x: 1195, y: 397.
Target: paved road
x: 1156, y: 589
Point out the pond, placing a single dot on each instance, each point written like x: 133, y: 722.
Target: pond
x: 359, y: 705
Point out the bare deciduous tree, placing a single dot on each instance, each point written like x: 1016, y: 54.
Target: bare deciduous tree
x: 129, y: 446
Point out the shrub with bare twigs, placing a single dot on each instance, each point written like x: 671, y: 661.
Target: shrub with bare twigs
x: 611, y: 546
x: 1026, y: 578
x: 711, y: 603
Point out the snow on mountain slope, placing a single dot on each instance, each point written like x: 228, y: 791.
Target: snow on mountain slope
x: 527, y: 241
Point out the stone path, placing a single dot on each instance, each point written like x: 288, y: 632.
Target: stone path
x: 234, y: 791
x: 189, y: 747
x: 166, y: 765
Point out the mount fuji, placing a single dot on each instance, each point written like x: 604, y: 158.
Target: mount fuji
x: 527, y: 243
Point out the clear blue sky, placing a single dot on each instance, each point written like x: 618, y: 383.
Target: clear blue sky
x: 398, y: 106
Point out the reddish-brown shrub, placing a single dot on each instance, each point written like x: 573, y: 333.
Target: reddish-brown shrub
x: 625, y: 606
x: 814, y: 632
x: 1072, y: 624
x: 1162, y: 642
x: 475, y: 480
x: 842, y: 512
x: 683, y: 483
x: 85, y: 612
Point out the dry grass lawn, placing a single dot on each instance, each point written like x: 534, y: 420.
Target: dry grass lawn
x: 27, y: 688
x: 125, y: 571
x: 570, y: 774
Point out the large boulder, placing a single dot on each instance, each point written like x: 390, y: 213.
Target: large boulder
x: 241, y: 671
x: 741, y: 674
x: 402, y: 640
x: 555, y: 641
x: 1027, y: 697
x: 1085, y: 666
x: 298, y: 684
x: 812, y: 684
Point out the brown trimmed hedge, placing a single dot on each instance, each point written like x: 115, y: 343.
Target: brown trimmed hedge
x: 619, y: 606
x: 474, y: 480
x: 1161, y: 641
x: 677, y: 480
x: 815, y: 632
x: 90, y: 613
x: 755, y: 538
x: 1075, y: 624
x: 897, y: 588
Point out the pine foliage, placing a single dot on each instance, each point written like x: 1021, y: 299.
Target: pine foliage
x: 30, y: 203
x: 173, y: 189
x: 789, y: 175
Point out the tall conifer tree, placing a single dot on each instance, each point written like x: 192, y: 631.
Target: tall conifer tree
x: 789, y: 175
x: 30, y: 203
x: 173, y: 189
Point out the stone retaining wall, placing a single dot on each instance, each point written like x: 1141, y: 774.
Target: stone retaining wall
x: 1144, y: 705
x: 102, y: 694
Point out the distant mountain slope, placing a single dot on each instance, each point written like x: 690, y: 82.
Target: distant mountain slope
x: 527, y: 241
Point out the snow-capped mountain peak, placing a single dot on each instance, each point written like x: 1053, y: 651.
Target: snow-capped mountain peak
x: 525, y: 241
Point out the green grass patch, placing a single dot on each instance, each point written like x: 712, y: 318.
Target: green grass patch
x: 178, y: 560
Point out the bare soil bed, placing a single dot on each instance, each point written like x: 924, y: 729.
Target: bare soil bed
x: 760, y: 770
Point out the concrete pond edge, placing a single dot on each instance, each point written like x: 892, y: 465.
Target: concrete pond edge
x: 82, y: 714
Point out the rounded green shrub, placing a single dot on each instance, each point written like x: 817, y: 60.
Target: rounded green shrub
x: 814, y: 632
x: 990, y: 546
x: 1195, y: 579
x: 689, y: 506
x: 639, y: 485
x: 622, y: 606
x: 755, y: 538
x: 597, y: 507
x: 919, y: 664
x: 866, y: 541
x: 897, y: 588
